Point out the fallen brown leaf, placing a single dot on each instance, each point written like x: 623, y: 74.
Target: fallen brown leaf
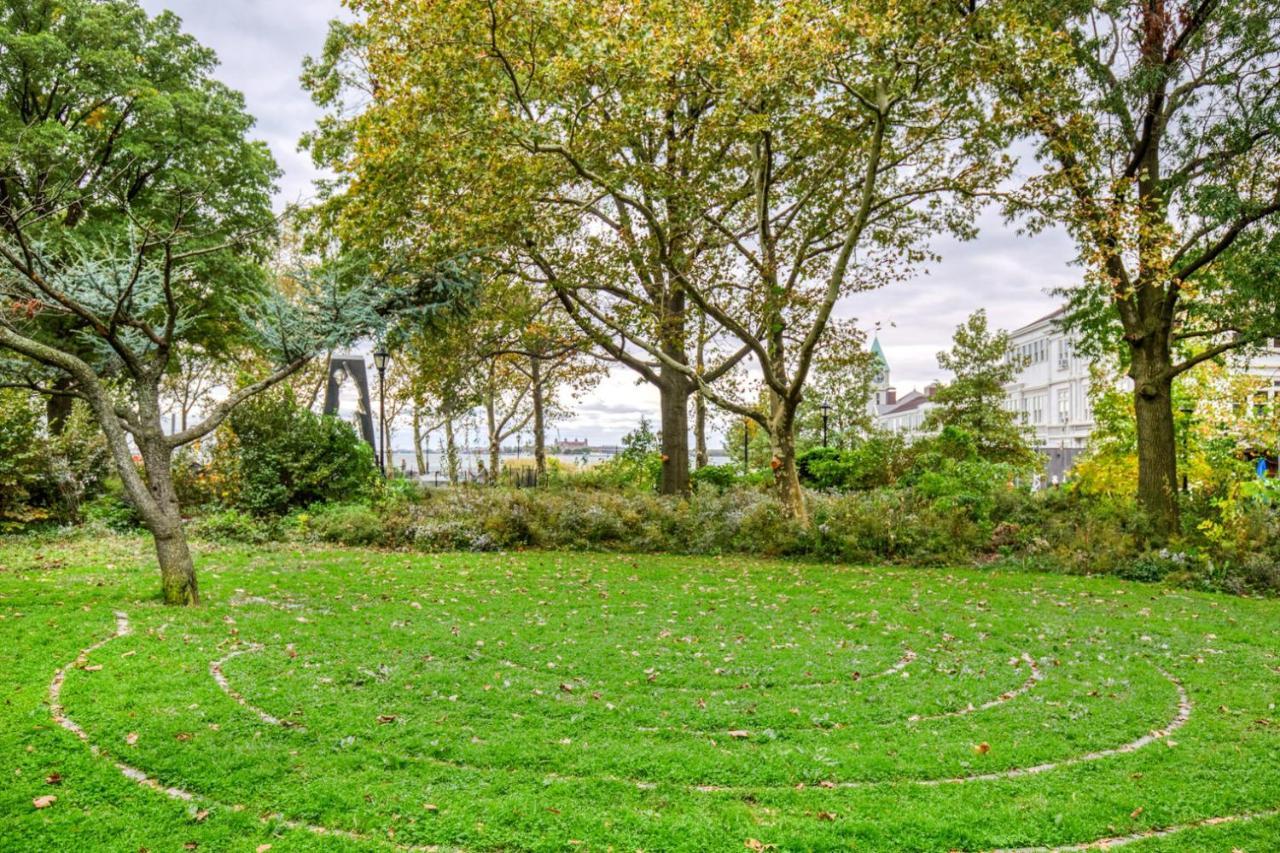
x: 386, y: 718
x: 826, y: 815
x: 739, y: 733
x: 44, y: 802
x: 53, y: 779
x: 982, y: 748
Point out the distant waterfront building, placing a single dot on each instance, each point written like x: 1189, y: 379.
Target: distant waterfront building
x: 572, y: 445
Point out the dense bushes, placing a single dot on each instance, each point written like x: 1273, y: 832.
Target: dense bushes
x: 272, y: 456
x: 46, y: 478
x: 1055, y: 530
x: 878, y: 460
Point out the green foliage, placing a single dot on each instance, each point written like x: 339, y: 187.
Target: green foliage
x: 132, y: 135
x: 638, y: 467
x: 273, y: 455
x: 233, y: 525
x: 878, y: 459
x: 346, y: 524
x: 21, y: 461
x: 974, y: 400
x: 112, y: 510
x: 45, y: 478
x: 718, y: 477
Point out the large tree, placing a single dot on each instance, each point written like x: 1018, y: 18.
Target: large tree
x: 544, y: 171
x: 750, y: 162
x: 134, y: 219
x: 1158, y: 131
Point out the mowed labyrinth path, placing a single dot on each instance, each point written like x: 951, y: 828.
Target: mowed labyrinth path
x: 546, y: 701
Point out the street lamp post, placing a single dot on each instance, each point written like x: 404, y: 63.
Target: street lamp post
x: 826, y: 412
x: 380, y: 359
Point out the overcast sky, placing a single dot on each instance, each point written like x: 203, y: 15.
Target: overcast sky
x: 262, y: 43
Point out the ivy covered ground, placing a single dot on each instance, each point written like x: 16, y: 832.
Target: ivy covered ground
x: 359, y: 700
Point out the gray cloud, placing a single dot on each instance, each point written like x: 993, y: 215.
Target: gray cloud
x: 261, y: 44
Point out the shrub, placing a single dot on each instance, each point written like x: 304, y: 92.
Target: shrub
x: 638, y: 467
x: 346, y: 524
x: 22, y: 461
x: 112, y: 510
x: 233, y: 525
x: 875, y: 461
x: 717, y: 477
x: 273, y: 455
x: 46, y: 478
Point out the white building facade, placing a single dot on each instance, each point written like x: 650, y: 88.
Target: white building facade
x: 1050, y: 392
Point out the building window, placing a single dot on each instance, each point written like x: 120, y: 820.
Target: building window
x: 1064, y: 354
x: 1064, y: 408
x: 1031, y: 353
x: 1037, y: 409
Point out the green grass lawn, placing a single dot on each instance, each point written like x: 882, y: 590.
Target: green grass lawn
x: 609, y: 702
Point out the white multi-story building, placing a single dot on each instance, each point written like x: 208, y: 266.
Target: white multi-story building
x: 1051, y: 391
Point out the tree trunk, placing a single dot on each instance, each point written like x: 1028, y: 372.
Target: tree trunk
x: 1157, y: 440
x: 786, y: 474
x: 495, y: 440
x: 450, y: 451
x: 421, y: 457
x: 674, y: 401
x: 539, y: 419
x: 177, y: 571
x: 701, y: 458
x: 58, y: 408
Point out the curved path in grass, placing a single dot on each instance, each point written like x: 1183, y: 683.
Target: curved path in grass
x: 471, y: 707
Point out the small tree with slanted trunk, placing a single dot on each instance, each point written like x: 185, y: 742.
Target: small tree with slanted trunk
x: 129, y: 314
